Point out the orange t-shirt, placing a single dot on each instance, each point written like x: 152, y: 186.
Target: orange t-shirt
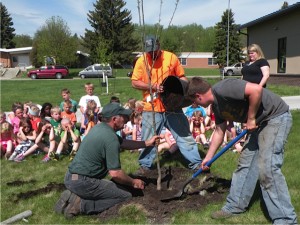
x: 167, y: 64
x: 71, y: 116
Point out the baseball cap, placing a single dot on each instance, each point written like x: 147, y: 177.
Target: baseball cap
x: 151, y: 44
x: 114, y: 109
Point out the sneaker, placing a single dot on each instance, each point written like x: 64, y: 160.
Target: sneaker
x: 221, y: 215
x: 206, y: 146
x: 72, y: 155
x: 46, y: 158
x: 13, y: 156
x: 53, y: 156
x: 19, y: 158
x: 73, y: 208
x: 62, y: 202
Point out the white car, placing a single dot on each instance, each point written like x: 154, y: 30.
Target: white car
x: 233, y: 70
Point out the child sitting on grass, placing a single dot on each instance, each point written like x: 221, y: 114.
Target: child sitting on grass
x: 44, y: 141
x: 25, y: 138
x: 197, y: 128
x: 7, y: 138
x: 67, y: 113
x: 70, y: 140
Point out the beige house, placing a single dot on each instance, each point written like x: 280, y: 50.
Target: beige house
x: 278, y: 34
x: 10, y: 58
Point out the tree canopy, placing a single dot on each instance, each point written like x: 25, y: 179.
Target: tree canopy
x: 7, y: 30
x: 54, y: 39
x: 220, y: 44
x: 111, y: 39
x: 23, y: 41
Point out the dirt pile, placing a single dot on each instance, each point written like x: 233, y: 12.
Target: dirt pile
x: 205, y: 189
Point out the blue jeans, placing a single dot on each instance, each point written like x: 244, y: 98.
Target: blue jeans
x: 96, y: 195
x: 178, y: 124
x: 261, y: 159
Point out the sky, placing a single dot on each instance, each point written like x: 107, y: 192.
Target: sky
x: 30, y: 15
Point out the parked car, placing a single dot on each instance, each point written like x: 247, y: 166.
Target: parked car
x: 56, y: 71
x: 235, y: 69
x: 96, y: 71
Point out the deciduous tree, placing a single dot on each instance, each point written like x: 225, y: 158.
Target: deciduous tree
x: 23, y: 40
x: 54, y: 39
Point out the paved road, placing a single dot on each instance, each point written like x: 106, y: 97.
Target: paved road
x: 292, y: 101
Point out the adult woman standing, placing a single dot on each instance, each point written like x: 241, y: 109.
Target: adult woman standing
x: 256, y: 69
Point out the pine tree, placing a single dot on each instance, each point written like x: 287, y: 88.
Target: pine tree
x: 111, y: 38
x: 220, y: 45
x: 7, y: 30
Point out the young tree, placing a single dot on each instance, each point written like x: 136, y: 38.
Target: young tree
x: 54, y: 39
x: 112, y: 30
x: 220, y: 45
x: 7, y: 30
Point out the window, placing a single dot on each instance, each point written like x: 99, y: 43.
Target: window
x: 14, y: 59
x: 183, y: 61
x: 281, y: 56
x: 211, y: 62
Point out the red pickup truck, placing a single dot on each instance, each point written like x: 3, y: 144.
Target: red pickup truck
x: 56, y: 71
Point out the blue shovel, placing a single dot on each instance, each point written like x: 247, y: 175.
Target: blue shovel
x: 216, y: 156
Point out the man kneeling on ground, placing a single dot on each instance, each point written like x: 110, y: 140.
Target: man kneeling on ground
x: 98, y: 155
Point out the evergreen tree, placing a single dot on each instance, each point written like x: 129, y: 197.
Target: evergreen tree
x: 220, y: 45
x: 7, y: 30
x: 111, y: 38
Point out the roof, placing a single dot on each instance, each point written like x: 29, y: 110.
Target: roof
x: 17, y: 50
x: 270, y: 16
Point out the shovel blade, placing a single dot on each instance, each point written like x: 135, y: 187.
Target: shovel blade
x: 180, y: 193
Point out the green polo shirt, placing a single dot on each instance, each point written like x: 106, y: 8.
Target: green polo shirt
x: 98, y: 153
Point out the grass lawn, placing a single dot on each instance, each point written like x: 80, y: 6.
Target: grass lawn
x: 36, y: 175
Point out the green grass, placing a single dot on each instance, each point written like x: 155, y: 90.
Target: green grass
x: 48, y: 90
x: 40, y: 91
x: 42, y: 205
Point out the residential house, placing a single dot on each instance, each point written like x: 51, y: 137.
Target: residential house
x: 278, y: 35
x: 197, y: 60
x: 10, y: 58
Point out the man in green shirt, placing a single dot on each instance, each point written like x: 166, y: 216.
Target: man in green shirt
x: 98, y: 155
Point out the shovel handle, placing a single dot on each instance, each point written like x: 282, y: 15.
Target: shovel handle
x: 221, y: 152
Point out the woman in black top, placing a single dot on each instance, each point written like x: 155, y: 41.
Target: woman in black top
x: 256, y: 69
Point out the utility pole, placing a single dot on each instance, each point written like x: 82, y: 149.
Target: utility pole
x: 227, y: 61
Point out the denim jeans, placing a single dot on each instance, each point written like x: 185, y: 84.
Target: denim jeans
x: 178, y: 124
x: 261, y: 159
x: 96, y: 195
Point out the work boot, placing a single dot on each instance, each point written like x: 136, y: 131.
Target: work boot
x: 73, y: 208
x: 62, y: 202
x: 221, y: 215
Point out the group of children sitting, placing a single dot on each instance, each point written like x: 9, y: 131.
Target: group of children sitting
x: 31, y: 128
